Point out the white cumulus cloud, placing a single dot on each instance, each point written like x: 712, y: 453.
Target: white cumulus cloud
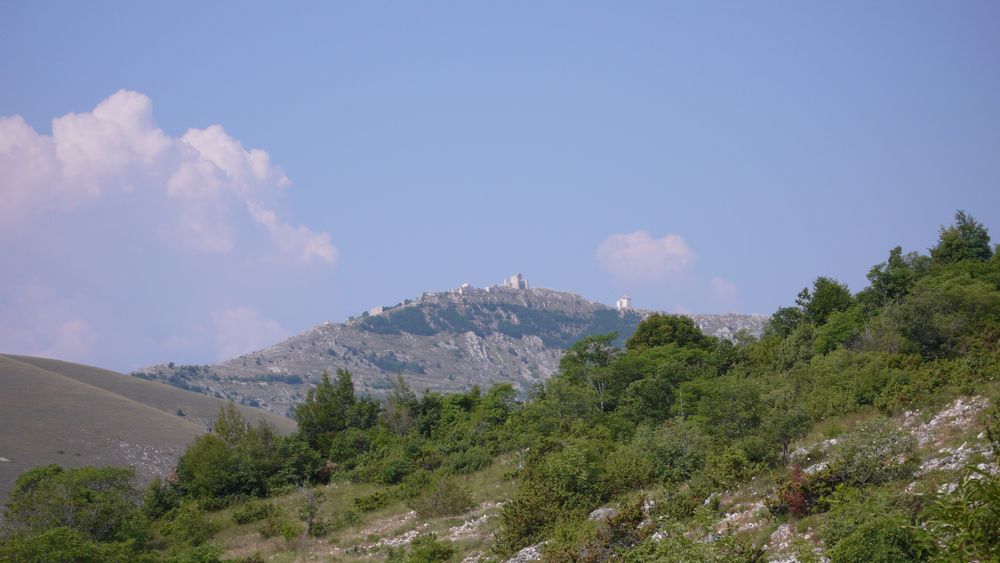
x: 640, y: 258
x: 296, y: 240
x: 124, y: 244
x: 211, y: 184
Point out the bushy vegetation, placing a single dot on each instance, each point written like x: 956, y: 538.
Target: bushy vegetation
x: 679, y: 410
x: 674, y: 413
x: 425, y: 548
x: 445, y: 498
x: 86, y: 514
x: 254, y: 511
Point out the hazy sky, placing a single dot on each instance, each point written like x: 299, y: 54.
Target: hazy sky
x: 190, y: 180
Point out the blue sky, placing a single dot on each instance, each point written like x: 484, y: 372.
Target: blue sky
x: 227, y: 173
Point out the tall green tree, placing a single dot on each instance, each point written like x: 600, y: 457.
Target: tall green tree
x: 208, y: 468
x: 230, y: 425
x: 893, y: 279
x: 827, y: 296
x: 326, y: 410
x: 660, y: 329
x: 784, y: 321
x: 943, y: 315
x: 589, y: 360
x: 401, y: 406
x: 967, y: 239
x: 786, y: 423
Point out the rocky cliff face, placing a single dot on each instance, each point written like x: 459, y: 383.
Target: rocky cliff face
x: 448, y: 341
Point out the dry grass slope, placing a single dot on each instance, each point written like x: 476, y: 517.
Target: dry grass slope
x: 197, y: 408
x: 75, y: 415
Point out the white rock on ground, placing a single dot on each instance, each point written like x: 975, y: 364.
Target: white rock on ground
x: 815, y: 468
x: 530, y: 553
x: 602, y: 514
x: 960, y: 414
x: 742, y: 520
x: 467, y: 528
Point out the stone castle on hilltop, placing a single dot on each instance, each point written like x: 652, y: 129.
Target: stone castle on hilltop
x: 516, y: 282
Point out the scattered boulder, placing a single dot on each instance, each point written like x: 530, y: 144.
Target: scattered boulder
x: 816, y: 468
x: 530, y: 553
x: 603, y: 514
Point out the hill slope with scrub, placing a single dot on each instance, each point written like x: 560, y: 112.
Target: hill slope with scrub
x: 859, y: 426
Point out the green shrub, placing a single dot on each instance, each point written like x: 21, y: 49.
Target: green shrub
x: 290, y: 531
x: 571, y: 538
x: 674, y: 544
x: 881, y: 539
x: 346, y: 517
x: 415, y: 484
x: 942, y: 314
x: 395, y: 471
x: 526, y: 518
x: 211, y: 504
x: 677, y: 504
x: 677, y: 450
x: 468, y: 461
x: 426, y: 548
x: 575, y: 475
x: 254, y: 511
x: 446, y: 498
x: 878, y: 451
x: 599, y: 540
x: 374, y: 501
x: 159, y: 498
x: 309, y: 513
x: 965, y: 523
x: 271, y: 526
x: 850, y: 508
x: 188, y: 524
x: 629, y: 468
x: 208, y: 468
x: 100, y: 503
x: 725, y: 469
x: 841, y: 327
x: 67, y: 544
x: 205, y: 553
x: 661, y: 329
x: 277, y: 525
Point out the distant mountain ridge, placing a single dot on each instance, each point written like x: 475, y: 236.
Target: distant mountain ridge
x: 441, y: 341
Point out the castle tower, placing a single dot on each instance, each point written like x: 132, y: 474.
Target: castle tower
x: 624, y: 302
x: 516, y: 282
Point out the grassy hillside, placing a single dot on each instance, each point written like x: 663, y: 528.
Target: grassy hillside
x: 75, y: 415
x: 356, y: 535
x: 860, y: 427
x: 197, y: 408
x: 948, y: 436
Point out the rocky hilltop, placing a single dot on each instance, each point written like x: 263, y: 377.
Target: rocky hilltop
x: 444, y: 341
